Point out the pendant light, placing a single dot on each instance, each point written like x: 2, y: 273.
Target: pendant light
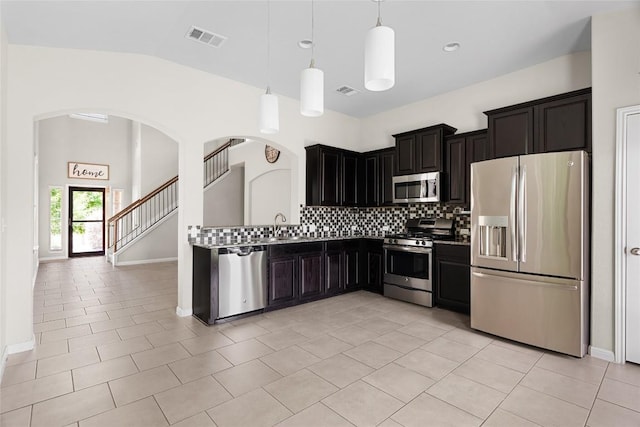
x: 312, y: 83
x: 269, y: 121
x: 379, y: 57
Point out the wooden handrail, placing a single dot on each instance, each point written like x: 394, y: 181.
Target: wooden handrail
x: 217, y: 150
x: 138, y: 202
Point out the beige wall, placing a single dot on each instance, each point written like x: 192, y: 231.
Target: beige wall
x: 616, y: 62
x: 463, y: 108
x: 188, y: 105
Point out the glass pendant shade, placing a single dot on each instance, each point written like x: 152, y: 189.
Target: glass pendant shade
x: 311, y: 92
x: 379, y: 59
x: 269, y: 121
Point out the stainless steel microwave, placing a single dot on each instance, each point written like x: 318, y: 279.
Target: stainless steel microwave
x: 417, y: 188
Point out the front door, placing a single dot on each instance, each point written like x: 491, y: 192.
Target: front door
x: 86, y: 221
x: 632, y: 251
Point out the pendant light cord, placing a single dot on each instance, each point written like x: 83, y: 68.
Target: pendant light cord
x: 313, y: 38
x: 379, y: 21
x: 268, y: 46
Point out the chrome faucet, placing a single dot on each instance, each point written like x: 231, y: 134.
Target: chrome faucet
x: 276, y: 227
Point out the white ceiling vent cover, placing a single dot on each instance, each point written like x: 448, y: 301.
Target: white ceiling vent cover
x: 206, y: 37
x: 347, y: 91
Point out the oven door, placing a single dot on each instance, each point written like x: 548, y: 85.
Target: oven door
x: 408, y: 266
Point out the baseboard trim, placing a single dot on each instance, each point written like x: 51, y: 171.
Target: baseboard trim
x: 146, y: 261
x: 184, y: 313
x: 20, y: 347
x: 600, y: 353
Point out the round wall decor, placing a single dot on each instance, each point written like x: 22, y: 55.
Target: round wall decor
x: 271, y: 154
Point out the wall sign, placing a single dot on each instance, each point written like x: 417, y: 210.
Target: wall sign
x: 87, y: 171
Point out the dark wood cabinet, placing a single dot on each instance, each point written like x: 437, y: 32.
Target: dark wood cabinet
x: 311, y: 277
x: 342, y: 258
x: 373, y: 265
x: 378, y: 177
x: 333, y: 176
x: 452, y: 276
x: 351, y: 253
x: 334, y: 271
x: 462, y: 150
x: 386, y: 176
x: 563, y: 124
x: 421, y: 150
x: 557, y: 123
x: 511, y: 132
x: 295, y: 272
x: 282, y: 280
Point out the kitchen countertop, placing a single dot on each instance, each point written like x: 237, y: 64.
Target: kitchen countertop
x: 282, y: 241
x: 458, y: 241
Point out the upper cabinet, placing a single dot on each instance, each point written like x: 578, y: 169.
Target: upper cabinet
x: 557, y: 123
x: 333, y: 177
x: 421, y: 150
x: 462, y: 150
x: 378, y: 176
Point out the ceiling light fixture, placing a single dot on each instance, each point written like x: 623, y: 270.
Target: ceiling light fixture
x: 451, y: 47
x: 312, y: 84
x: 269, y: 121
x: 379, y: 57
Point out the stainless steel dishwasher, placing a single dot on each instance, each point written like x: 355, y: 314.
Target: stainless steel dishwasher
x: 242, y: 280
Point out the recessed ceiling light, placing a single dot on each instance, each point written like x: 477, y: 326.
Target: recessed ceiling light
x: 305, y: 44
x: 451, y: 47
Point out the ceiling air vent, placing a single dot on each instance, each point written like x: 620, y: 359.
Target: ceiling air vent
x: 346, y: 90
x: 206, y: 37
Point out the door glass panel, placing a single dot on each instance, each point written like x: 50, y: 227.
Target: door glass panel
x: 86, y: 225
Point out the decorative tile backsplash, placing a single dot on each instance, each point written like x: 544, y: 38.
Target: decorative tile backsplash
x: 320, y: 221
x: 376, y: 221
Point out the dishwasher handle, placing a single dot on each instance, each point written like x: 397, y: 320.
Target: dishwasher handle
x: 242, y: 250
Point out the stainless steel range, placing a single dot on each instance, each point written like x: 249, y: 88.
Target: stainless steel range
x: 408, y: 259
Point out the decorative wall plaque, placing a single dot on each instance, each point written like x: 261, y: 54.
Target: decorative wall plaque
x: 271, y: 154
x: 87, y: 171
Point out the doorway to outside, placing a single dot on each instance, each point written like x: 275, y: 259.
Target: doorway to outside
x: 86, y: 221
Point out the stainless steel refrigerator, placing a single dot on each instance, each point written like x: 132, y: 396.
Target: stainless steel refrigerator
x: 530, y: 249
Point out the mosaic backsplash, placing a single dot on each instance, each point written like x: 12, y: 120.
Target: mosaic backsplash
x: 322, y: 221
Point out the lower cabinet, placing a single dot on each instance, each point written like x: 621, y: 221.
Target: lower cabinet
x: 342, y: 265
x: 373, y: 265
x: 295, y: 273
x: 452, y: 276
x: 351, y: 257
x: 334, y: 267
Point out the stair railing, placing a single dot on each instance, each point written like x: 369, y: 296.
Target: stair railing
x: 144, y: 213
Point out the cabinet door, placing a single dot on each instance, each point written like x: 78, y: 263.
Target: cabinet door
x: 386, y: 177
x: 311, y: 283
x: 374, y: 270
x: 478, y: 149
x: 405, y: 155
x: 334, y: 275
x: 453, y: 284
x: 429, y: 151
x: 330, y: 182
x: 511, y: 132
x: 371, y: 180
x: 351, y: 268
x: 564, y: 124
x: 350, y: 173
x: 282, y: 280
x: 456, y: 170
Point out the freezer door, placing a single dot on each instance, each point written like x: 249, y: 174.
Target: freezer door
x: 552, y: 214
x: 493, y: 213
x: 541, y: 311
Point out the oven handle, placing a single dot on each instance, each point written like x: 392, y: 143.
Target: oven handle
x: 413, y: 249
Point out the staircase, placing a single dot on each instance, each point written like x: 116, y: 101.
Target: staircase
x: 144, y: 214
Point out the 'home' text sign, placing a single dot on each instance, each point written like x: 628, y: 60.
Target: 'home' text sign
x: 87, y: 171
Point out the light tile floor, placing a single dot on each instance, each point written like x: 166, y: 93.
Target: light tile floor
x: 111, y: 351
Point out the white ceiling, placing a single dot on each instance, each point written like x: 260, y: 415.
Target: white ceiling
x: 497, y: 37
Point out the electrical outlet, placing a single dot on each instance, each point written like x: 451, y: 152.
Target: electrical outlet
x: 465, y: 231
x: 312, y: 228
x: 354, y: 227
x: 385, y: 228
x: 325, y: 228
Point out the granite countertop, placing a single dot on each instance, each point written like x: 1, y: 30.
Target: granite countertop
x: 281, y: 241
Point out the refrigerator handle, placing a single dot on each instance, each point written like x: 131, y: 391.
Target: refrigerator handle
x: 512, y: 213
x: 522, y: 214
